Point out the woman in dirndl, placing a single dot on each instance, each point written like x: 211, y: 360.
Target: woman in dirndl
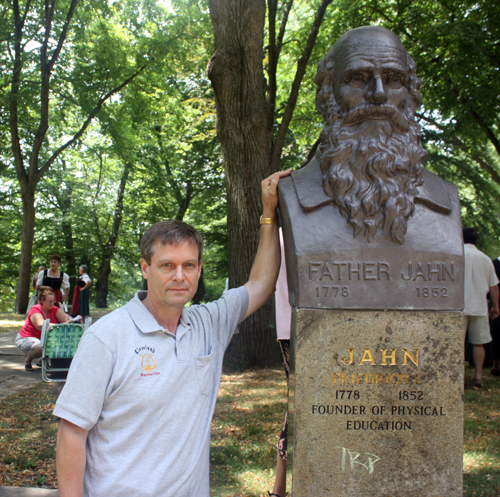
x: 80, y: 305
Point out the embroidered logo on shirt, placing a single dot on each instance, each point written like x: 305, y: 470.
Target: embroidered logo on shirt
x: 147, y: 362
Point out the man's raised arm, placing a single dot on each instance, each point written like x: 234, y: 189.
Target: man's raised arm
x: 264, y: 273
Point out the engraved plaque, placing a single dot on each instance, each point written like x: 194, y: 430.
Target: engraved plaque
x: 378, y: 413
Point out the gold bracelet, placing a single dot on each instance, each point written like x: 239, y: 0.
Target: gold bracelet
x: 268, y: 220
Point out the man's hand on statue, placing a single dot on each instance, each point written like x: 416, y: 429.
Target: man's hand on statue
x: 270, y: 192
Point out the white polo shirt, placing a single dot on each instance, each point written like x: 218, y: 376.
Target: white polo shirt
x: 147, y: 397
x: 478, y: 278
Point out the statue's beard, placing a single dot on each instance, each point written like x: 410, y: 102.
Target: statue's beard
x: 372, y: 168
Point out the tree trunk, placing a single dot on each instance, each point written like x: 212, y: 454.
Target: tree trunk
x: 24, y: 281
x: 244, y: 130
x: 108, y: 247
x: 101, y: 285
x: 65, y: 204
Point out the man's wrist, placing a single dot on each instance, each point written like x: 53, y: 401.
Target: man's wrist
x: 269, y: 212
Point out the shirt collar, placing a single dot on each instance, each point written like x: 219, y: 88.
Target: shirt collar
x: 146, y: 322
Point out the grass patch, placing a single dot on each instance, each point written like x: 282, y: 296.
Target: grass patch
x: 482, y: 437
x: 245, y: 429
x: 28, y: 436
x: 9, y: 321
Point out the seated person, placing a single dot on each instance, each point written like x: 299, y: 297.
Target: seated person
x: 28, y: 339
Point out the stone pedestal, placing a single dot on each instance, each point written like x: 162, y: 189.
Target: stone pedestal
x: 376, y: 403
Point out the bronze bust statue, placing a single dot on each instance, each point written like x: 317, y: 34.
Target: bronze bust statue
x: 366, y: 197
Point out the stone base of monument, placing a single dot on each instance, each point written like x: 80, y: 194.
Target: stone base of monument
x: 376, y: 403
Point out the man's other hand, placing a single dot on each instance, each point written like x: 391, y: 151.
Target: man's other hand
x: 270, y: 192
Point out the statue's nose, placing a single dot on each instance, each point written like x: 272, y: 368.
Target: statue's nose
x: 376, y: 92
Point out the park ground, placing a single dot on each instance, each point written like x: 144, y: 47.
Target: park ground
x: 246, y: 423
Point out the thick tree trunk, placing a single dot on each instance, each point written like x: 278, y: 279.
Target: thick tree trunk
x: 244, y: 130
x: 23, y: 283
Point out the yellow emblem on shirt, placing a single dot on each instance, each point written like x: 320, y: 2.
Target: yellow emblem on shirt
x: 147, y: 362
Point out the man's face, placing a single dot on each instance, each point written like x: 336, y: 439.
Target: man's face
x: 172, y: 275
x: 371, y: 74
x: 54, y: 264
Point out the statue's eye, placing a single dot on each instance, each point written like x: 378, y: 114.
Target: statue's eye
x: 394, y: 79
x: 358, y: 77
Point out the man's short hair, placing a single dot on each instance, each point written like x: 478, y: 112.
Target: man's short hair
x: 84, y: 268
x: 55, y: 257
x: 470, y: 236
x: 171, y: 232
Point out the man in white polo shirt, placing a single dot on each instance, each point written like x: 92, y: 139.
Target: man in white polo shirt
x: 479, y: 279
x: 137, y: 406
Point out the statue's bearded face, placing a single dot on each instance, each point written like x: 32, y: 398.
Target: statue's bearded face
x: 370, y: 151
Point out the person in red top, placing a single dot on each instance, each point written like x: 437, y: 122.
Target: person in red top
x: 28, y: 339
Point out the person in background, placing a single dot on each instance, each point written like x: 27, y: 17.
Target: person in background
x: 80, y: 305
x: 34, y: 298
x: 35, y: 277
x: 283, y: 325
x: 28, y: 339
x: 54, y: 279
x: 479, y: 279
x: 494, y: 352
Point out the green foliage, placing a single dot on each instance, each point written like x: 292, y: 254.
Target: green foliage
x: 161, y: 126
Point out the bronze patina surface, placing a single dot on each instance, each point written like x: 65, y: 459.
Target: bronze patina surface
x: 365, y: 224
x: 375, y: 269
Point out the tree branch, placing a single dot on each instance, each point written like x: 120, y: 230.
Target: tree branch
x: 294, y: 92
x: 14, y: 94
x: 284, y: 20
x: 45, y: 70
x: 87, y: 122
x: 273, y: 59
x: 118, y: 214
x: 275, y: 45
x: 64, y: 33
x: 489, y: 132
x: 462, y: 146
